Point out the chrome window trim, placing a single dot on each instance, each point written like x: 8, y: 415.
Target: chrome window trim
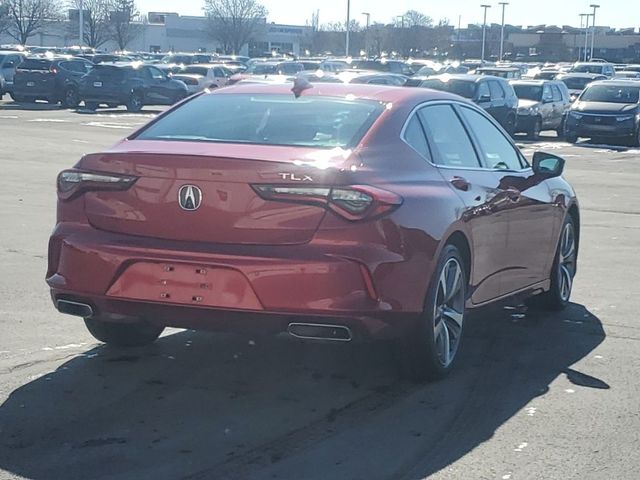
x: 473, y: 106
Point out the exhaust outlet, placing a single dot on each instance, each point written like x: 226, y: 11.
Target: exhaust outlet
x: 76, y: 309
x: 318, y: 331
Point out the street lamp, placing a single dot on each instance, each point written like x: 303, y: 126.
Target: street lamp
x: 504, y: 4
x: 484, y: 29
x: 582, y: 15
x: 81, y: 23
x: 586, y: 36
x: 593, y: 37
x: 368, y: 15
x: 348, y: 27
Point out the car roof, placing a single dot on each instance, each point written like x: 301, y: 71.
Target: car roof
x: 618, y: 82
x: 382, y: 93
x: 579, y: 75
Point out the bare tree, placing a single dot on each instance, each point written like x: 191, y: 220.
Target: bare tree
x: 413, y: 18
x: 96, y: 21
x: 234, y: 22
x: 123, y: 24
x: 28, y: 17
x: 4, y: 17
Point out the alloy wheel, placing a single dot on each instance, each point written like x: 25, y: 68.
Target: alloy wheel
x: 567, y: 261
x: 448, y: 313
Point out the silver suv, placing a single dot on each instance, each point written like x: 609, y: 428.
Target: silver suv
x: 9, y: 61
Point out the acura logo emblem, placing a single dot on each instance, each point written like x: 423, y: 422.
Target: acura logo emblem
x: 189, y: 197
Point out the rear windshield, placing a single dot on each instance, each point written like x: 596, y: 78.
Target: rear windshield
x: 262, y: 69
x: 322, y: 122
x: 587, y: 69
x: 576, y: 83
x: 105, y: 71
x: 528, y: 92
x: 459, y: 87
x: 35, y: 64
x: 195, y: 71
x: 611, y: 94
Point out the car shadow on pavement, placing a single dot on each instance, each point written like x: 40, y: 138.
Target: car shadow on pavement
x: 36, y: 106
x: 196, y: 405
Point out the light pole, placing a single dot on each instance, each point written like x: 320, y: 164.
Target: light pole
x: 81, y: 23
x: 348, y: 27
x: 582, y: 15
x: 368, y: 15
x: 484, y: 30
x: 586, y: 36
x: 593, y: 37
x: 504, y: 4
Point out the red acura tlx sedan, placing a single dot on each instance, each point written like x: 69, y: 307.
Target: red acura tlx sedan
x: 338, y: 212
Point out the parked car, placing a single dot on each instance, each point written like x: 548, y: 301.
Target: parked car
x: 494, y: 94
x: 542, y: 105
x: 274, y: 68
x: 600, y: 68
x: 131, y: 85
x: 577, y: 82
x: 628, y: 74
x: 510, y: 73
x: 262, y: 219
x: 372, y: 78
x: 201, y: 76
x: 606, y: 109
x: 390, y: 66
x: 547, y: 74
x: 9, y: 61
x: 186, y: 58
x: 52, y: 79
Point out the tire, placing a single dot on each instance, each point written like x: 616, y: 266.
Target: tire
x: 70, y: 99
x: 135, y: 102
x: 636, y: 142
x: 563, y: 271
x: 534, y: 133
x: 430, y: 354
x: 571, y: 138
x: 91, y: 105
x: 560, y: 133
x: 123, y: 334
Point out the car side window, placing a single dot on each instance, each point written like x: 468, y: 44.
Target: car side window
x: 450, y: 143
x: 557, y: 95
x: 483, y: 90
x: 497, y: 151
x: 547, y: 94
x: 378, y: 81
x: 414, y: 136
x: 155, y: 73
x: 218, y: 73
x: 497, y: 93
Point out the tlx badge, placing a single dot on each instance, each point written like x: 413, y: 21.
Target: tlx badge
x: 295, y: 178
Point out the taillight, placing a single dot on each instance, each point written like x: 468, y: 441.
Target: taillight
x: 75, y: 182
x: 353, y: 202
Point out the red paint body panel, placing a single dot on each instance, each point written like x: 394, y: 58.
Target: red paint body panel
x: 269, y: 261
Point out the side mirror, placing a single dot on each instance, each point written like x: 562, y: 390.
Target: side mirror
x: 547, y: 164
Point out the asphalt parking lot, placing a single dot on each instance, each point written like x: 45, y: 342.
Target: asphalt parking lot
x: 534, y: 397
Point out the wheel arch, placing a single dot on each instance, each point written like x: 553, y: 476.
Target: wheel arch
x: 459, y: 240
x: 574, y: 213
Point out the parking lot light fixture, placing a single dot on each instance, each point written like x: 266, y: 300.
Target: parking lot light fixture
x: 484, y: 30
x: 504, y: 4
x: 593, y: 36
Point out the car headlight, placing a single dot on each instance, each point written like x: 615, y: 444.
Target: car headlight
x: 624, y: 118
x: 527, y: 110
x: 575, y: 115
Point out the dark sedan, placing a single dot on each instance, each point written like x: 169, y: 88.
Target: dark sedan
x: 606, y: 109
x: 132, y: 85
x: 494, y: 94
x: 332, y: 212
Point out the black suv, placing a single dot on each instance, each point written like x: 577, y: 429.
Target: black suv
x: 606, y: 109
x: 52, y: 79
x: 493, y: 94
x: 542, y: 105
x: 133, y: 85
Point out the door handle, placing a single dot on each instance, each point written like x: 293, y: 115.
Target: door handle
x: 460, y: 183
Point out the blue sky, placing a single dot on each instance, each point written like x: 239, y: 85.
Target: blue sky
x: 617, y: 13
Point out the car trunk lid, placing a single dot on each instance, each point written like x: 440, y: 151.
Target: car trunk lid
x: 217, y: 180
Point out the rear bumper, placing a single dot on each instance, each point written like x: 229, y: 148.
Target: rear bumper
x: 102, y: 96
x: 229, y: 287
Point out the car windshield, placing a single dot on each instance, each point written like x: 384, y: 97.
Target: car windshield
x: 611, y: 94
x: 528, y: 92
x: 587, y: 69
x: 176, y: 59
x: 576, y: 83
x: 322, y: 122
x: 195, y: 71
x: 262, y: 69
x: 459, y: 87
